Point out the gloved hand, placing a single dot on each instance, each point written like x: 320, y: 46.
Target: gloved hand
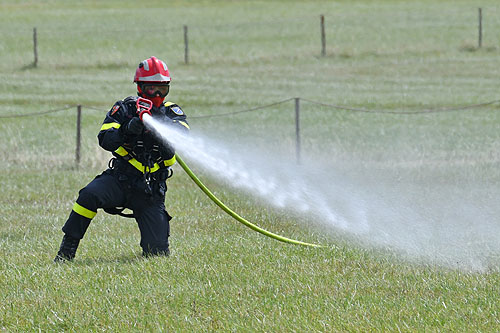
x: 135, y: 126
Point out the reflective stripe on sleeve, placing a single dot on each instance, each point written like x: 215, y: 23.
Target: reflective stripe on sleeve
x: 80, y: 210
x: 169, y: 162
x: 121, y: 151
x: 109, y: 125
x: 183, y: 124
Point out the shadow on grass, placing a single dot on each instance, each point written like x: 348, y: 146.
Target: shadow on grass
x: 473, y: 48
x: 29, y: 66
x: 124, y: 259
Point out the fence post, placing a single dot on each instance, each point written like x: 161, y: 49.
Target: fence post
x: 78, y: 133
x: 35, y: 48
x: 323, y: 37
x: 480, y: 41
x: 297, y: 129
x: 186, y: 45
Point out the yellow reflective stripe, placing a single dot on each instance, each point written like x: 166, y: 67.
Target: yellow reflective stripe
x: 121, y: 151
x: 183, y: 124
x: 138, y: 165
x: 80, y: 210
x: 168, y: 103
x: 169, y: 162
x: 155, y: 168
x: 109, y: 125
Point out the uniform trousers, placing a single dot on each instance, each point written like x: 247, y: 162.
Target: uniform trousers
x: 113, y: 189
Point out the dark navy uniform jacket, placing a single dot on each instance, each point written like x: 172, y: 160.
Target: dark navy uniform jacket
x: 143, y: 153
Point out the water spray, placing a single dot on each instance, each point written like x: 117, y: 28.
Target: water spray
x: 232, y: 213
x: 450, y: 224
x: 143, y: 108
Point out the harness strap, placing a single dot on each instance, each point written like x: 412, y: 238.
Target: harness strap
x: 151, y: 168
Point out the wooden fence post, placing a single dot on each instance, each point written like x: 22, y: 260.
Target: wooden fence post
x: 297, y: 129
x: 35, y: 48
x: 480, y: 41
x: 323, y: 37
x: 78, y: 133
x: 186, y: 45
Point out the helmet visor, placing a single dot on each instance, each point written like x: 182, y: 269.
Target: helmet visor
x: 153, y: 90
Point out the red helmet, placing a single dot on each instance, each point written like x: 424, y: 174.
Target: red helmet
x: 153, y: 79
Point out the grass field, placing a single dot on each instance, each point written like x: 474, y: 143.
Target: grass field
x: 390, y: 55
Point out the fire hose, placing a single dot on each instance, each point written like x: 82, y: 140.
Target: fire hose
x: 232, y: 213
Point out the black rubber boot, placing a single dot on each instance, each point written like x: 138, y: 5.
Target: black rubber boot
x: 68, y: 249
x: 164, y: 253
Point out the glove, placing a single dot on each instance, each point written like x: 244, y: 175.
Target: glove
x: 135, y: 126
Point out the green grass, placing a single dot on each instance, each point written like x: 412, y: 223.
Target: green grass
x: 386, y: 55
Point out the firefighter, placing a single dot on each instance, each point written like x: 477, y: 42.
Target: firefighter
x: 137, y: 173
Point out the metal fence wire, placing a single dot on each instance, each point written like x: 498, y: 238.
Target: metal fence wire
x: 269, y: 106
x: 320, y: 32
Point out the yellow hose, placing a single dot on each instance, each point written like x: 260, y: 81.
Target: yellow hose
x: 232, y: 213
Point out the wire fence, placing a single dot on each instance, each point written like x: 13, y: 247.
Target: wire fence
x: 413, y: 112
x: 281, y: 37
x: 267, y: 106
x: 270, y: 34
x: 297, y: 101
x: 41, y: 113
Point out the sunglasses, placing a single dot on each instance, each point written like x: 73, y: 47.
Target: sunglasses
x: 155, y: 89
